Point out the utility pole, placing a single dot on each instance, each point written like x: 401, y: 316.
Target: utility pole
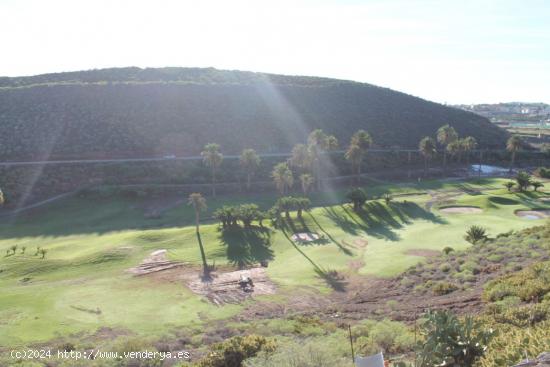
x: 351, y: 343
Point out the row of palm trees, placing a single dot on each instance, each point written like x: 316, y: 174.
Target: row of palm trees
x: 448, y: 138
x: 308, y: 160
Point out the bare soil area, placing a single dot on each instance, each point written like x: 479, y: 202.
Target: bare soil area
x: 155, y: 262
x: 423, y: 252
x: 222, y: 286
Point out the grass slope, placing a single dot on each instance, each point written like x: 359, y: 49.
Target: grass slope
x: 81, y: 285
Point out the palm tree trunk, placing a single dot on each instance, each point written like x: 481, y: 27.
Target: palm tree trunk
x: 213, y: 182
x: 445, y: 159
x: 425, y: 166
x: 359, y: 173
x: 248, y: 181
x: 408, y: 164
x: 318, y: 174
x: 512, y: 161
x: 203, y: 255
x: 480, y: 159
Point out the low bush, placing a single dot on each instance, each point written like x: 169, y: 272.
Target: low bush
x: 233, y: 351
x: 442, y: 288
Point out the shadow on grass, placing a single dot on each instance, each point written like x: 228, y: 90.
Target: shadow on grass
x: 247, y: 246
x: 380, y: 220
x: 330, y: 277
x: 342, y: 248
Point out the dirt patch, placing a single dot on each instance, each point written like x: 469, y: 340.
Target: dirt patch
x: 533, y: 214
x: 155, y: 262
x: 424, y: 253
x: 223, y: 287
x: 305, y: 237
x: 461, y: 210
x: 355, y: 265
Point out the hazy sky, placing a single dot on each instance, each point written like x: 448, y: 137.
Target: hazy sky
x: 447, y: 51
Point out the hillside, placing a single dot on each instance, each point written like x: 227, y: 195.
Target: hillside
x: 127, y: 112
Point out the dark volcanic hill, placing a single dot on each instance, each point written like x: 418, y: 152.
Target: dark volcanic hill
x: 127, y: 112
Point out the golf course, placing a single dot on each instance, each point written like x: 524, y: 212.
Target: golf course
x: 81, y: 285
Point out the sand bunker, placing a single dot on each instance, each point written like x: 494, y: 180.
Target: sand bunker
x: 460, y: 210
x: 533, y: 214
x: 224, y: 288
x: 305, y: 237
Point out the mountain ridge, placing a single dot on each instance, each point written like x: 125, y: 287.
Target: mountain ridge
x: 124, y: 112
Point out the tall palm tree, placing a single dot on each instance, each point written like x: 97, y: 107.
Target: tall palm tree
x: 469, y: 144
x: 513, y: 145
x: 361, y: 141
x: 282, y: 176
x: 306, y: 180
x: 212, y: 158
x: 301, y: 158
x: 454, y: 148
x: 198, y: 202
x: 427, y: 149
x: 446, y: 135
x: 354, y: 155
x: 250, y: 161
x: 319, y: 143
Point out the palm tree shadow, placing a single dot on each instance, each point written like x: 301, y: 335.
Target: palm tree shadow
x: 246, y: 247
x: 342, y: 248
x: 330, y: 277
x: 381, y: 220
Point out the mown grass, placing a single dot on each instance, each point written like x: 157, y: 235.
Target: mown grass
x: 91, y: 242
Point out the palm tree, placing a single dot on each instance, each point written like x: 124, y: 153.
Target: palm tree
x: 301, y: 158
x: 1, y: 197
x: 509, y: 185
x: 282, y: 176
x: 427, y: 149
x: 454, y: 149
x: 301, y: 205
x: 469, y: 144
x: 513, y: 144
x: 306, y: 181
x: 198, y: 202
x: 537, y: 185
x: 212, y: 158
x: 445, y: 136
x: 319, y: 143
x: 523, y: 180
x: 355, y: 156
x: 358, y: 197
x: 360, y: 143
x: 250, y: 161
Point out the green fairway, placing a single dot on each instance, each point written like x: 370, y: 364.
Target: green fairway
x: 82, y: 285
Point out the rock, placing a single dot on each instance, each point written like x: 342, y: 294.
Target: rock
x: 543, y: 360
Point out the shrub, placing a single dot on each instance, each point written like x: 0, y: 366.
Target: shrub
x: 542, y: 172
x: 325, y: 352
x: 447, y: 250
x: 442, y: 288
x: 531, y: 284
x: 452, y: 342
x: 445, y: 267
x: 232, y: 352
x: 496, y: 258
x: 475, y: 234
